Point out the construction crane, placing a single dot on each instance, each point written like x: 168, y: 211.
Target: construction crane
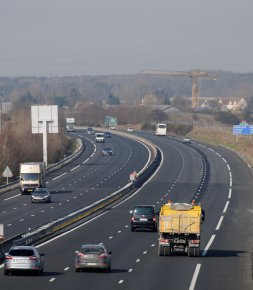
x: 194, y: 75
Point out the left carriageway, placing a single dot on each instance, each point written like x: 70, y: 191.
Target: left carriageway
x: 88, y: 178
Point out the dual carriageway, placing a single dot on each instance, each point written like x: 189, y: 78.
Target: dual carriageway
x: 213, y: 176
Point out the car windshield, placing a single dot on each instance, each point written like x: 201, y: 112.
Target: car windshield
x: 29, y: 176
x: 92, y: 250
x: 100, y: 135
x: 107, y: 149
x: 21, y: 252
x: 144, y: 210
x: 40, y: 191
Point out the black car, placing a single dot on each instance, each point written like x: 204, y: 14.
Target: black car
x: 143, y: 216
x: 107, y: 134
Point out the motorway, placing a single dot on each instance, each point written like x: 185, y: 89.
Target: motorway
x: 213, y: 176
x: 80, y: 183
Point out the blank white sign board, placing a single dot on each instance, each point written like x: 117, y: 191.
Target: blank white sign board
x: 46, y: 113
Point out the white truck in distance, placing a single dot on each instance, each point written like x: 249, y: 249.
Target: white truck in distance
x: 161, y: 129
x: 70, y: 124
x: 32, y: 175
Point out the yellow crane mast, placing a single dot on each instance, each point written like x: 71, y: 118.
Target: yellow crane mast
x: 194, y: 75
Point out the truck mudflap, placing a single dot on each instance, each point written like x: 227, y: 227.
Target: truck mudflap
x: 168, y: 246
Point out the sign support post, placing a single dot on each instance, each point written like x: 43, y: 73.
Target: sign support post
x: 44, y: 120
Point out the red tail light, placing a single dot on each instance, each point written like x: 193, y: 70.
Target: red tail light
x: 154, y: 219
x: 194, y: 241
x: 79, y: 254
x: 132, y: 218
x: 102, y: 256
x: 33, y: 258
x: 164, y: 240
x: 8, y: 257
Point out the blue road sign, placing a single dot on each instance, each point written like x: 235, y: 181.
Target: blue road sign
x: 243, y: 129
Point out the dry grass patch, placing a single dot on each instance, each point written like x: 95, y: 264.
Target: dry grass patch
x: 241, y: 144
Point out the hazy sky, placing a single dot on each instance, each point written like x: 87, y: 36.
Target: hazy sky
x: 98, y: 37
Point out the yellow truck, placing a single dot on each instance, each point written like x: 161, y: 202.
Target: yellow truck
x: 179, y: 229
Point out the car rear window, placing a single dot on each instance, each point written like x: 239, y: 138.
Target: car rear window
x: 21, y: 252
x: 144, y: 210
x: 92, y: 250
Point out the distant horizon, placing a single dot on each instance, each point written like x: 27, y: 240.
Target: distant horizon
x: 119, y: 74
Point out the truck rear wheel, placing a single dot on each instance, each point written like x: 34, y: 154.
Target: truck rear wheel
x: 193, y: 252
x: 160, y: 251
x: 167, y: 251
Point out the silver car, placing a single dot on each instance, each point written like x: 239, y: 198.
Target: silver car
x: 107, y: 151
x: 93, y: 256
x: 41, y: 195
x: 23, y: 258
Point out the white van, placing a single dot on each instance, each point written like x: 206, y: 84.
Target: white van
x: 100, y: 137
x: 161, y: 129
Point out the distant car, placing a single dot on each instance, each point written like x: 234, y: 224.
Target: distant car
x: 143, y: 216
x: 186, y: 140
x: 108, y: 134
x: 93, y: 256
x: 100, y: 137
x: 41, y: 195
x: 107, y: 151
x: 90, y: 131
x: 130, y: 129
x: 25, y: 258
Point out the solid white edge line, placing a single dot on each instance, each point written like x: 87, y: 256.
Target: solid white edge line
x: 86, y: 160
x: 75, y: 167
x: 12, y: 196
x: 208, y: 245
x: 219, y: 223
x: 194, y: 277
x: 226, y: 207
x: 59, y: 176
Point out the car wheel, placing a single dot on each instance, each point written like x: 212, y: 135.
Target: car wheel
x: 132, y: 229
x: 78, y: 270
x: 6, y: 272
x: 108, y: 270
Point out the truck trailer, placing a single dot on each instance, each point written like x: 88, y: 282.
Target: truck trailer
x: 32, y: 175
x: 179, y: 229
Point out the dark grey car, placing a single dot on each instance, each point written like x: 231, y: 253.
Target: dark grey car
x: 143, y: 216
x: 93, y: 256
x: 25, y: 258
